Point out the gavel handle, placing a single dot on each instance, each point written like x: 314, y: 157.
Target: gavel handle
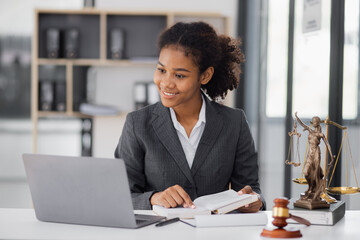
x: 300, y: 220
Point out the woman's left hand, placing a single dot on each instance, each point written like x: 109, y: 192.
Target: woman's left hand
x: 252, y: 207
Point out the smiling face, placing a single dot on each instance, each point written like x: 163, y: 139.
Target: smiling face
x: 178, y: 79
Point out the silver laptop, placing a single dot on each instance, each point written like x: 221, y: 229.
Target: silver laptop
x: 82, y: 190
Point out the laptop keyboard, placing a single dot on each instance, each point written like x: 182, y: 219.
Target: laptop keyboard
x: 140, y: 221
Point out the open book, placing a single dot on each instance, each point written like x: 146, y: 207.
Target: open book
x: 218, y: 203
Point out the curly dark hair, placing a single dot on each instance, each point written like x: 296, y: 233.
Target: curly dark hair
x: 200, y: 41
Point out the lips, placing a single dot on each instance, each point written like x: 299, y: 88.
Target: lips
x: 169, y: 95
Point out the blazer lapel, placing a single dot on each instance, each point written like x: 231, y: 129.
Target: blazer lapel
x: 164, y: 129
x: 213, y: 127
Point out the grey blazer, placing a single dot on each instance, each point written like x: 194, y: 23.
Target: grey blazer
x: 155, y: 159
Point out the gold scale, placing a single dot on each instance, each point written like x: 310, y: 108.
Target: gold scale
x: 327, y: 189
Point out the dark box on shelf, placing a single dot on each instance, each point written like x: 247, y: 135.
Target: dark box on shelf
x: 46, y: 96
x: 117, y: 43
x: 53, y: 42
x: 60, y: 96
x: 72, y: 36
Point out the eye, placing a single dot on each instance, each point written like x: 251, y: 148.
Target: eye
x: 161, y: 70
x: 179, y: 76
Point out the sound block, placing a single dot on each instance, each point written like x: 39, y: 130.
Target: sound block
x: 281, y: 233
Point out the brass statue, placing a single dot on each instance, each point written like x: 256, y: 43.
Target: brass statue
x: 312, y: 171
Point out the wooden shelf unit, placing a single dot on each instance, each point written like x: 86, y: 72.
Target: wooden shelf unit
x: 141, y: 31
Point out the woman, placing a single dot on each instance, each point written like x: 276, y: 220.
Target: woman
x: 187, y: 146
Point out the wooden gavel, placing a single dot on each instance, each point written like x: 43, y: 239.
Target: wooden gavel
x: 280, y: 214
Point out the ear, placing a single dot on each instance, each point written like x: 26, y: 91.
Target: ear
x: 206, y: 75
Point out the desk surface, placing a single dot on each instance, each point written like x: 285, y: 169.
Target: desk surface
x: 22, y: 224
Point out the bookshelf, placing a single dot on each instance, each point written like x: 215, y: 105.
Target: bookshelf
x: 93, y: 48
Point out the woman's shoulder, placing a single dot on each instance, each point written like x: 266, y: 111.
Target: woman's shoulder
x: 227, y: 111
x: 145, y: 113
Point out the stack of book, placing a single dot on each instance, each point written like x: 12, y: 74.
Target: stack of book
x: 322, y: 216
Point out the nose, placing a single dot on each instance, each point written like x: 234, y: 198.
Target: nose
x: 167, y: 82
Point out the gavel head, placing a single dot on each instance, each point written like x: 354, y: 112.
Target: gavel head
x: 280, y: 212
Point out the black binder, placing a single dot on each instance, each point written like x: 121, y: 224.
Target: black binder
x: 60, y: 96
x: 72, y: 36
x: 117, y: 40
x: 53, y: 43
x: 46, y: 96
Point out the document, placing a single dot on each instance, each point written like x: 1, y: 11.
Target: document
x: 218, y: 203
x: 228, y: 220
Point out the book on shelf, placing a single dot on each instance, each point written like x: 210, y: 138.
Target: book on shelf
x: 322, y: 216
x: 218, y: 203
x: 228, y: 220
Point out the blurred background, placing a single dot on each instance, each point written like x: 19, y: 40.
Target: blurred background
x: 301, y: 56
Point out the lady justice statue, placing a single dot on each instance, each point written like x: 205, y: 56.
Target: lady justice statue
x: 313, y: 173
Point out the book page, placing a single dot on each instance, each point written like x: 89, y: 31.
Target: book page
x: 180, y: 212
x: 205, y: 204
x: 217, y: 200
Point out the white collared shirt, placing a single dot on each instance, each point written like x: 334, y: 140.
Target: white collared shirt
x: 190, y: 144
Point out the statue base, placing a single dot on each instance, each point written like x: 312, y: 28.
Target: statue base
x: 311, y: 204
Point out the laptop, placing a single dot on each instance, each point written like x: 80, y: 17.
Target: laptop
x: 82, y: 190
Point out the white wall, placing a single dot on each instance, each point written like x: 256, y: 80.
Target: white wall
x: 17, y: 16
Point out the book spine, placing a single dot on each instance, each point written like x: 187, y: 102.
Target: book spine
x: 338, y: 214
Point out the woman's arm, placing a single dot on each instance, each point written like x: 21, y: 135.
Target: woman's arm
x: 246, y: 169
x: 132, y: 153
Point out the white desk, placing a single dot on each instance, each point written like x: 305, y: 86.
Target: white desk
x: 22, y: 224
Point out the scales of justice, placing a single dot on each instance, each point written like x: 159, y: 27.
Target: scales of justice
x: 317, y: 179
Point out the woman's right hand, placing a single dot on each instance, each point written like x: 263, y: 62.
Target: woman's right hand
x: 172, y: 197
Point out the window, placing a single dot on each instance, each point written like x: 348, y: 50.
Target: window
x: 311, y: 65
x: 277, y: 52
x: 351, y: 60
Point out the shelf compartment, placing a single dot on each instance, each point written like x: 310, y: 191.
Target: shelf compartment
x: 140, y: 34
x: 79, y: 94
x: 52, y: 88
x: 88, y: 26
